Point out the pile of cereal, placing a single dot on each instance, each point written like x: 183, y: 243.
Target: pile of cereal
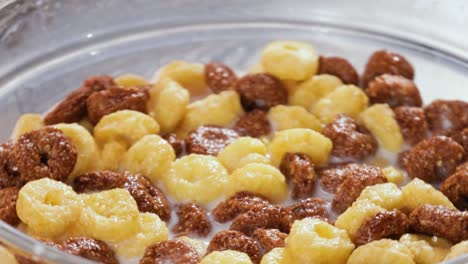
x: 290, y: 163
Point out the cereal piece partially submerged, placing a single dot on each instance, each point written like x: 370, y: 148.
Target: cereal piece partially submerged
x: 219, y: 77
x: 269, y: 238
x: 418, y: 192
x: 455, y: 187
x: 384, y: 251
x: 426, y: 249
x: 210, y: 140
x: 268, y: 216
x: 358, y: 179
x: 394, y: 90
x: 433, y: 159
x: 114, y: 99
x: 440, y: 221
x: 307, y: 93
x: 286, y: 117
x: 44, y: 153
x: 382, y: 61
x: 189, y: 75
x: 310, y: 207
x: 299, y: 169
x: 412, y: 122
x: 170, y: 251
x: 177, y: 143
x: 9, y: 177
x: 8, y: 198
x: 261, y: 91
x: 226, y: 256
x: 233, y: 153
x: 385, y: 224
x: 254, y: 124
x: 350, y: 138
x: 237, y: 204
x: 353, y: 218
x: 234, y: 240
x: 73, y: 107
x: 386, y: 195
x: 192, y: 219
x: 447, y: 115
x: 339, y: 67
x: 89, y: 248
x: 393, y: 174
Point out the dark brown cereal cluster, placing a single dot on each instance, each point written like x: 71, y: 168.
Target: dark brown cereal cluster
x: 261, y: 91
x: 192, y: 219
x: 89, y: 248
x: 8, y: 176
x: 331, y: 177
x: 393, y: 90
x: 8, y: 197
x: 437, y: 220
x: 170, y: 251
x: 237, y: 204
x: 385, y: 224
x: 299, y: 169
x: 267, y: 217
x: 234, y: 240
x: 209, y: 140
x: 412, y: 122
x: 310, y: 207
x: 253, y: 124
x: 455, y: 187
x: 382, y: 61
x: 177, y: 143
x: 269, y: 239
x: 340, y: 68
x: 350, y: 138
x: 444, y: 116
x: 219, y: 77
x: 433, y: 159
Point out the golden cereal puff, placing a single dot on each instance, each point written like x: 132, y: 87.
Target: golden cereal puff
x: 125, y: 125
x: 315, y: 241
x: 110, y: 215
x: 226, y: 257
x: 426, y: 249
x: 48, y: 207
x: 253, y: 158
x: 27, y: 123
x: 191, y: 76
x: 417, y: 192
x: 88, y: 151
x: 302, y: 140
x: 386, y: 195
x: 130, y: 81
x: 393, y: 174
x: 290, y: 60
x: 167, y: 104
x: 6, y: 256
x: 277, y: 256
x: 233, y: 153
x: 259, y: 178
x: 112, y: 155
x: 285, y: 117
x: 217, y: 109
x: 199, y: 245
x: 458, y: 250
x: 352, y: 219
x: 346, y: 99
x: 150, y: 156
x: 152, y: 230
x: 196, y: 178
x: 380, y: 120
x: 309, y: 92
x: 384, y: 251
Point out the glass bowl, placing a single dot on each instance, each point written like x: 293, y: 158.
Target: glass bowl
x: 48, y: 47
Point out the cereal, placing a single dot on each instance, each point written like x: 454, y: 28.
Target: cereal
x: 384, y: 251
x: 286, y: 117
x: 170, y: 251
x: 150, y: 156
x: 382, y: 61
x: 353, y: 218
x: 177, y: 143
x: 233, y: 153
x: 199, y: 245
x: 209, y: 140
x: 234, y: 240
x: 219, y: 77
x: 310, y: 207
x: 27, y: 123
x: 339, y: 67
x: 259, y: 178
x: 73, y: 107
x: 315, y: 241
x: 114, y: 99
x: 254, y: 124
x: 226, y: 256
x: 196, y: 178
x: 359, y: 178
x: 417, y: 193
x: 192, y: 219
x: 267, y: 217
x: 299, y: 169
x: 269, y: 238
x: 237, y: 204
x: 346, y: 99
x: 301, y: 140
x: 310, y: 91
x: 130, y: 81
x: 9, y: 177
x: 7, y: 257
x: 8, y: 198
x: 168, y: 104
x: 446, y: 115
x: 394, y: 90
x: 89, y: 248
x: 455, y: 187
x: 253, y: 158
x: 385, y: 224
x: 290, y: 60
x: 350, y: 138
x: 393, y: 175
x: 433, y: 159
x: 124, y: 125
x: 457, y: 250
x: 277, y: 256
x: 412, y: 122
x: 332, y: 177
x: 112, y: 155
x: 386, y: 195
x: 438, y: 220
x: 191, y: 76
x: 261, y: 91
x: 42, y: 153
x: 47, y: 207
x: 426, y: 249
